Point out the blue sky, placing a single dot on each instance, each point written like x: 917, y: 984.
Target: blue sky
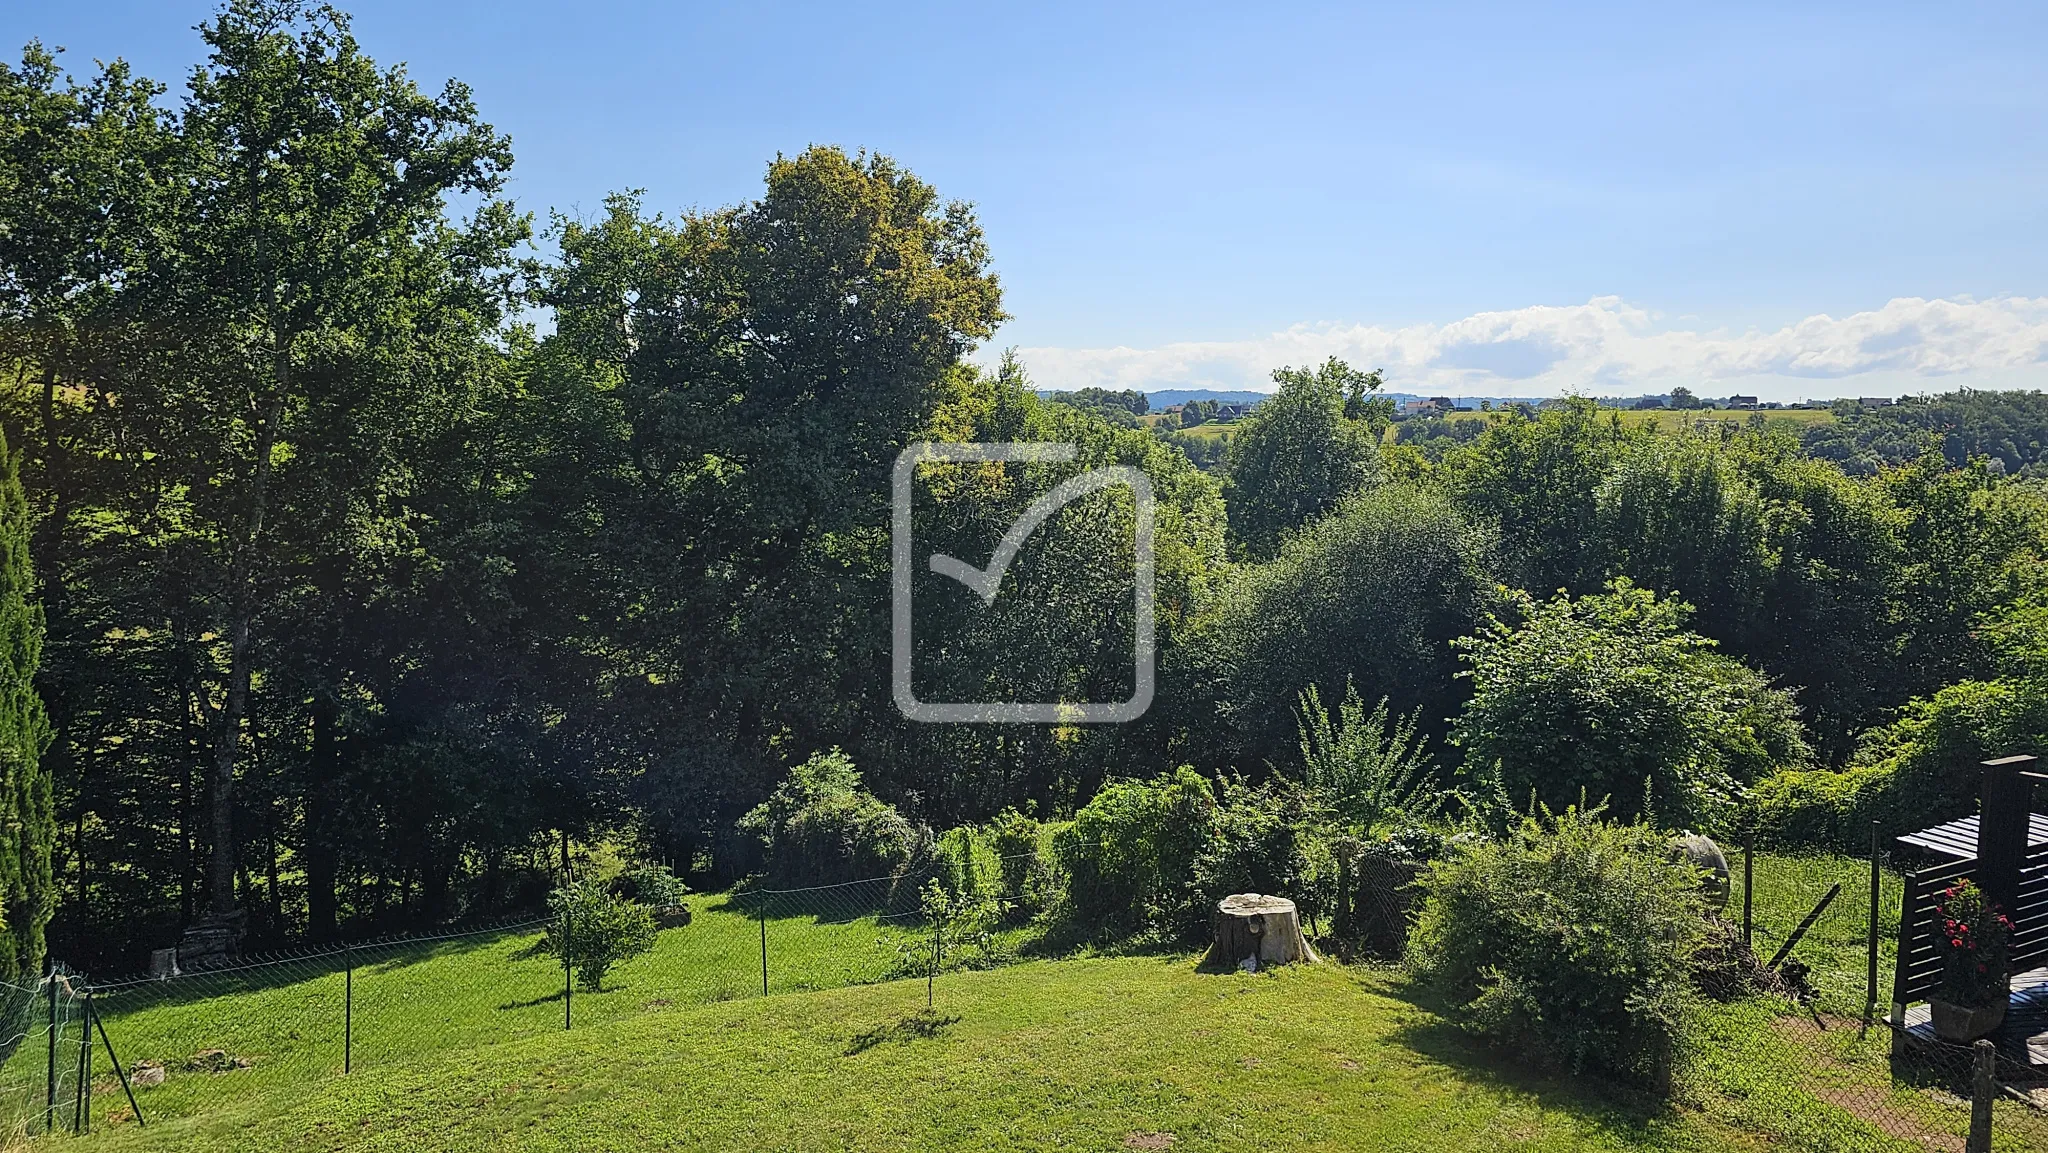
x: 1793, y: 200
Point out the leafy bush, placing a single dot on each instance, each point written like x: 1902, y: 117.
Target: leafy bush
x: 1568, y: 942
x: 651, y: 884
x: 1906, y: 774
x: 820, y: 827
x: 1600, y: 694
x: 1262, y: 842
x: 1377, y: 590
x: 1129, y: 856
x: 1030, y: 884
x: 959, y: 860
x: 1367, y: 769
x: 601, y: 929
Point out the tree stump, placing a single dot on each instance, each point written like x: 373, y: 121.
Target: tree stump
x: 1253, y: 932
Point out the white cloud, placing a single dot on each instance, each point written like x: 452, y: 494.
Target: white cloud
x: 1608, y: 346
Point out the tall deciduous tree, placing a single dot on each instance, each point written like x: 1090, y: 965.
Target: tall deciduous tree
x: 314, y: 212
x: 1300, y: 453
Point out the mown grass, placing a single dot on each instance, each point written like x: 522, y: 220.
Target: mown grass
x: 1836, y: 948
x: 1102, y: 1053
x: 460, y: 1046
x: 411, y: 999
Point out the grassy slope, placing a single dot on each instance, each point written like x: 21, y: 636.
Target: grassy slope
x: 1128, y: 1042
x: 411, y: 1000
x: 1072, y: 1054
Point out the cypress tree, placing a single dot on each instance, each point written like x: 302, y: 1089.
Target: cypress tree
x: 27, y: 811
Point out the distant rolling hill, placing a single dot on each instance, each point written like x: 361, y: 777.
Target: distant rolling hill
x: 1168, y: 397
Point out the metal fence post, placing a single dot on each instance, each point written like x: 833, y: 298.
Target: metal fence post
x: 1748, y: 883
x: 93, y: 1015
x: 568, y: 928
x: 50, y: 1085
x: 81, y: 1104
x: 1876, y: 887
x: 348, y: 1008
x: 764, y: 948
x: 1983, y: 1087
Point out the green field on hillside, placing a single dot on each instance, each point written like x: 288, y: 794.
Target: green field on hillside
x: 1670, y: 419
x: 1667, y: 420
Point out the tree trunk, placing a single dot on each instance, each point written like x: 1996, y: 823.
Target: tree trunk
x: 322, y: 921
x: 1253, y: 932
x: 216, y: 937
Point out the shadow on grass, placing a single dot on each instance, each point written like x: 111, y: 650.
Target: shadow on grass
x: 1061, y: 939
x: 263, y: 974
x: 922, y: 1025
x: 551, y: 998
x: 1629, y: 1115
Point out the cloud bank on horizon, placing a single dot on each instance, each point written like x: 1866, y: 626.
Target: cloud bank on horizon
x: 1608, y: 346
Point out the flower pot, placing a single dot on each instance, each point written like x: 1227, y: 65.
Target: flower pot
x: 1961, y: 1025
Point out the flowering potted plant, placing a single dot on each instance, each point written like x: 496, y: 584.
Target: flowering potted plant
x: 1971, y: 938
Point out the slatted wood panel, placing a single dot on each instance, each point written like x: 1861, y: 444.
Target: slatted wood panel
x: 1919, y: 967
x: 1958, y: 838
x: 2030, y: 914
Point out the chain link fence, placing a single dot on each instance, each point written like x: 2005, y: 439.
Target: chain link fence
x: 1806, y: 1061
x: 1804, y: 1055
x: 46, y: 1045
x: 195, y: 1040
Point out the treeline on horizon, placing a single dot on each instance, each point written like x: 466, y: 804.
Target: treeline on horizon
x: 360, y: 597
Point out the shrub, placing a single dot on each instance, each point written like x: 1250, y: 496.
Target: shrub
x: 1366, y: 768
x: 1030, y: 884
x: 601, y: 927
x: 958, y: 860
x: 1917, y: 771
x: 1308, y: 618
x: 1822, y: 807
x: 1567, y: 942
x: 820, y: 827
x: 651, y: 884
x: 1599, y: 694
x: 1261, y: 842
x: 1129, y: 856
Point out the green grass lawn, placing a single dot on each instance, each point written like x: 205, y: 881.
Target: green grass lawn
x: 412, y: 999
x: 1837, y: 946
x: 459, y: 1045
x: 1083, y: 1054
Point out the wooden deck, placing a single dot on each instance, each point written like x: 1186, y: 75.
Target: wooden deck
x: 2023, y: 1039
x: 1959, y: 838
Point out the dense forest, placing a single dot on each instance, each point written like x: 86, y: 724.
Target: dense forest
x: 376, y: 560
